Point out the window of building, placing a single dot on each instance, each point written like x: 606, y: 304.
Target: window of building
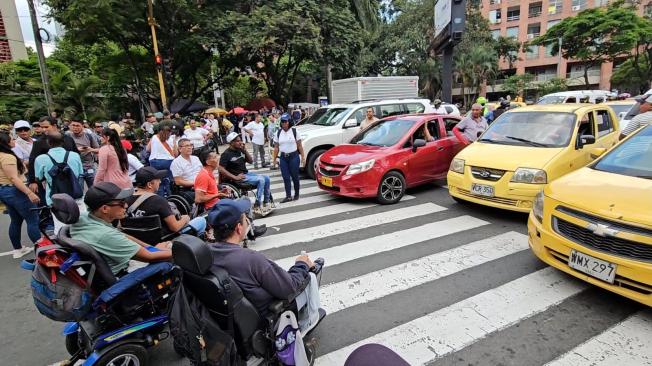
x: 495, y: 33
x: 599, y: 3
x: 647, y: 10
x: 577, y: 5
x: 493, y: 2
x: 494, y: 16
x: 535, y: 10
x: 512, y: 32
x: 549, y: 25
x: 532, y: 52
x: 513, y: 14
x: 555, y: 6
x: 533, y: 30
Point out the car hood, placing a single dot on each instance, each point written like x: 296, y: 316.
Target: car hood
x: 507, y: 157
x: 350, y: 154
x: 308, y: 128
x: 610, y: 195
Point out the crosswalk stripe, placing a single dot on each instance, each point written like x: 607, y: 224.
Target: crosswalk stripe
x: 626, y: 343
x: 455, y: 327
x: 271, y: 240
x: 384, y: 243
x: 307, y: 200
x: 375, y: 285
x: 307, y: 190
x: 302, y: 183
x: 275, y: 220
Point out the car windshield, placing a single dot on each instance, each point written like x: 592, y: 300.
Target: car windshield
x: 633, y: 157
x: 620, y: 108
x: 327, y: 116
x: 385, y: 133
x: 539, y: 129
x: 633, y: 111
x: 551, y: 99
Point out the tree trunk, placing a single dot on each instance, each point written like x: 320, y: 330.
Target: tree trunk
x: 586, y: 75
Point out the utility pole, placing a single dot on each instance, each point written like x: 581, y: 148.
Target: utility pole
x: 41, y: 57
x: 159, y: 65
x: 559, y: 70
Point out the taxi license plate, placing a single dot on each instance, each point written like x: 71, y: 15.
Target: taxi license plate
x: 328, y: 182
x: 482, y: 190
x: 593, y: 267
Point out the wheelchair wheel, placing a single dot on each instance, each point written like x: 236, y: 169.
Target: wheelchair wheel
x: 72, y: 343
x: 234, y: 192
x: 125, y: 355
x: 184, y: 207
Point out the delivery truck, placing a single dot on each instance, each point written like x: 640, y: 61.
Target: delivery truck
x: 374, y: 88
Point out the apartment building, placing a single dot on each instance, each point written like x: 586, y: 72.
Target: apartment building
x: 527, y: 19
x: 12, y: 45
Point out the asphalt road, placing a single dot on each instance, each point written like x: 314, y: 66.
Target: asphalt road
x: 439, y: 282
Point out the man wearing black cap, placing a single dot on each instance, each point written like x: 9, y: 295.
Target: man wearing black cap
x: 145, y: 202
x: 262, y: 281
x: 107, y: 203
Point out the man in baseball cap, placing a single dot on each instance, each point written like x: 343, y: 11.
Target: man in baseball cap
x: 643, y: 118
x: 24, y: 142
x: 107, y: 203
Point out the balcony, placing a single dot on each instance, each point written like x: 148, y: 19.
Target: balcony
x: 513, y: 17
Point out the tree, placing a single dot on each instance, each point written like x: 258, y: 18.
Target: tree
x: 628, y: 78
x: 596, y: 35
x: 507, y: 49
x: 553, y: 85
x: 518, y: 84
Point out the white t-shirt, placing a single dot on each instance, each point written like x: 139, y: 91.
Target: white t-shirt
x: 134, y: 165
x: 286, y: 142
x: 185, y: 169
x: 258, y: 130
x: 158, y: 151
x: 196, y: 136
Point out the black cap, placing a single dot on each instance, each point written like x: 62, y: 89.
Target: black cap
x: 102, y: 193
x: 147, y: 174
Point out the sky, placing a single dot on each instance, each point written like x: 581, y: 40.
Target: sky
x: 26, y: 26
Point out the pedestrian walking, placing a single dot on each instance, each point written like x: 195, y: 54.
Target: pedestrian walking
x: 256, y: 130
x: 287, y: 146
x: 243, y: 123
x: 24, y: 140
x: 113, y: 162
x: 88, y: 147
x: 17, y: 197
x: 163, y: 150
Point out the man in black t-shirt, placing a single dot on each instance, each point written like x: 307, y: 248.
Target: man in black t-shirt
x: 233, y: 168
x: 147, y: 183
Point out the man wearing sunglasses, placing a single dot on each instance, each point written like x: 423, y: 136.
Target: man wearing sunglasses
x: 24, y: 141
x: 107, y: 203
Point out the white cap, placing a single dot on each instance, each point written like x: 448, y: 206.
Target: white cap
x: 232, y: 136
x: 22, y: 124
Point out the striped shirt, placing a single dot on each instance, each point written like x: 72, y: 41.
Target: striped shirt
x: 640, y: 120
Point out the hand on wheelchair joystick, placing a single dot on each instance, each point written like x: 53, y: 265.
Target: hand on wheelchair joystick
x: 305, y: 259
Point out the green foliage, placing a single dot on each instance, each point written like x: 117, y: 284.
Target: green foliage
x: 518, y: 84
x: 553, y: 85
x: 627, y: 78
x: 507, y: 49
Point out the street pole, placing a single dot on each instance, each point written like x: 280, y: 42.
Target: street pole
x: 447, y: 74
x: 41, y: 56
x: 152, y: 23
x: 559, y: 63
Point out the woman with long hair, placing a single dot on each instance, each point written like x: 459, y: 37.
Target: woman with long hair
x: 113, y: 163
x: 18, y: 198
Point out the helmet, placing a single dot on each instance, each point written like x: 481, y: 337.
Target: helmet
x: 481, y: 100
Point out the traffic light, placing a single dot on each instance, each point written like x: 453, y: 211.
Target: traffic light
x: 158, y: 60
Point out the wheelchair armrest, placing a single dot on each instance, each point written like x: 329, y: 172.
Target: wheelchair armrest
x: 277, y: 307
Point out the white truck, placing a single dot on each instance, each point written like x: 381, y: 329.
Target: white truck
x: 374, y: 88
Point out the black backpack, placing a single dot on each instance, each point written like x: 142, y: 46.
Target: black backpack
x: 64, y: 179
x: 294, y: 132
x: 196, y: 335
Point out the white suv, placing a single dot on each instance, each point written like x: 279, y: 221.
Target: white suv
x: 337, y: 123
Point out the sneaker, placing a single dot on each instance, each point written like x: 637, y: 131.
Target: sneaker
x: 259, y: 230
x: 296, y: 197
x: 286, y: 200
x: 18, y: 253
x: 258, y: 210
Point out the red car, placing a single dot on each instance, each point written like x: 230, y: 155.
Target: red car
x: 390, y: 156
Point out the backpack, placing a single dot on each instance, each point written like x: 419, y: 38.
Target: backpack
x: 294, y: 132
x: 196, y: 335
x: 63, y: 179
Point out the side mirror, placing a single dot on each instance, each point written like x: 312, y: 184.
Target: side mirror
x: 417, y: 144
x: 351, y: 123
x: 585, y: 140
x: 597, y: 152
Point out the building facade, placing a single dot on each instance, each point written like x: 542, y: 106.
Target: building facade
x: 12, y: 45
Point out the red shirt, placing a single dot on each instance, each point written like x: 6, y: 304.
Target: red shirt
x: 205, y: 182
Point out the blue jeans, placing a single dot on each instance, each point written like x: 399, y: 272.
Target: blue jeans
x: 19, y: 207
x: 89, y: 177
x: 261, y: 182
x: 165, y: 187
x: 290, y: 172
x: 198, y: 224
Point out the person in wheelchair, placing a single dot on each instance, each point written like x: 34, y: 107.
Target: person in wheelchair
x: 106, y: 204
x: 233, y: 168
x: 262, y: 281
x: 145, y: 202
x: 185, y: 168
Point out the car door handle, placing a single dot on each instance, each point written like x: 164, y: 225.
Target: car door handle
x: 440, y: 148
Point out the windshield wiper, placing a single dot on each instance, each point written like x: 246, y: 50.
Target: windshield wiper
x: 531, y: 143
x: 366, y: 143
x: 644, y: 176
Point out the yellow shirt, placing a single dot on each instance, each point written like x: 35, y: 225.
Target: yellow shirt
x: 7, y: 160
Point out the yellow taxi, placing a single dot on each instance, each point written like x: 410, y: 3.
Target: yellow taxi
x: 525, y: 149
x: 596, y: 223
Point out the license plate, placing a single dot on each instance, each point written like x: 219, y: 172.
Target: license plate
x: 592, y: 266
x: 328, y: 182
x: 482, y: 190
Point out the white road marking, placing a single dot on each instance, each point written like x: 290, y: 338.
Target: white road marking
x: 626, y: 343
x: 461, y: 324
x: 281, y: 185
x: 347, y: 224
x: 308, y: 190
x: 374, y: 285
x: 385, y: 243
x: 7, y: 253
x: 275, y: 220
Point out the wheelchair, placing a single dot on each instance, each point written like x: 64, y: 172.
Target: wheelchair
x: 239, y: 190
x: 127, y: 315
x: 254, y: 335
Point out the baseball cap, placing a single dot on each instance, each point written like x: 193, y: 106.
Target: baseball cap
x: 104, y: 192
x: 644, y: 99
x: 232, y: 136
x: 22, y: 124
x: 227, y: 212
x: 147, y: 174
x: 36, y: 124
x: 437, y: 101
x: 285, y: 117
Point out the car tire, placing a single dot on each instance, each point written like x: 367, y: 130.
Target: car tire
x: 391, y: 188
x: 128, y: 355
x: 310, y: 165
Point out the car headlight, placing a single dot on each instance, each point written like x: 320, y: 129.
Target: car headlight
x: 527, y: 175
x: 457, y: 166
x: 360, y: 167
x: 537, y: 207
